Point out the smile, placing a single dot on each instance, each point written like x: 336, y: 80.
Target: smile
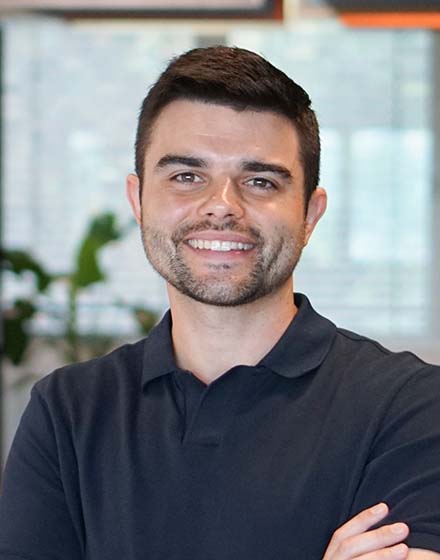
x: 218, y: 245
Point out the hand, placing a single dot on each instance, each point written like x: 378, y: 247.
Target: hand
x: 353, y: 540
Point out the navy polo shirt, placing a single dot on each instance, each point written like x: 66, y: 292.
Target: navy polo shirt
x: 127, y: 457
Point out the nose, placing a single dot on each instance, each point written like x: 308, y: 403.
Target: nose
x: 223, y: 201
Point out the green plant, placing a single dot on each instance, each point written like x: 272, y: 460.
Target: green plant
x: 86, y: 271
x: 17, y: 317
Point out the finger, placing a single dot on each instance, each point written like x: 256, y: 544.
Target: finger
x: 363, y: 521
x: 356, y: 525
x: 398, y: 552
x: 371, y: 541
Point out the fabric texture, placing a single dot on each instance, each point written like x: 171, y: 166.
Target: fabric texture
x: 129, y: 457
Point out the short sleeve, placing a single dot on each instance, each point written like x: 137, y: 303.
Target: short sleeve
x: 35, y: 523
x: 403, y: 468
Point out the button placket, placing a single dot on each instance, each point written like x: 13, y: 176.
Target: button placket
x: 216, y: 408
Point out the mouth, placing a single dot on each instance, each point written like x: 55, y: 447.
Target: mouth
x: 219, y: 245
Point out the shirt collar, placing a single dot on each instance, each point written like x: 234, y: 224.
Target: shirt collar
x: 158, y: 351
x: 302, y: 347
x: 304, y: 344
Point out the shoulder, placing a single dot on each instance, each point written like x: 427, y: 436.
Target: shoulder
x: 348, y: 358
x: 383, y: 383
x: 368, y: 357
x: 84, y: 382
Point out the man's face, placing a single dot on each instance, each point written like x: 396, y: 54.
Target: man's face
x: 222, y: 214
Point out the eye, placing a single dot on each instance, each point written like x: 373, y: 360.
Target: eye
x: 187, y: 177
x: 261, y: 183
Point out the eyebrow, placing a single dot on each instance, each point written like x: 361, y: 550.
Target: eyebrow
x: 252, y: 165
x: 174, y: 159
x: 261, y: 167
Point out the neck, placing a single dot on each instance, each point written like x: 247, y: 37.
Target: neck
x: 209, y: 340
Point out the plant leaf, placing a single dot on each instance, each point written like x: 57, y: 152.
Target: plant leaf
x: 16, y: 336
x: 20, y: 261
x: 102, y: 230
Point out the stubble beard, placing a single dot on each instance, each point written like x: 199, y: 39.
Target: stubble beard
x: 273, y: 264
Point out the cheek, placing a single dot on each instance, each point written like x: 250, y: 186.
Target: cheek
x: 282, y: 220
x: 163, y: 214
x: 287, y: 234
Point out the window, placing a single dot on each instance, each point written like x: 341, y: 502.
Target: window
x: 71, y: 98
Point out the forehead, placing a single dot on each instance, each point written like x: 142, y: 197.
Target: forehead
x: 196, y: 127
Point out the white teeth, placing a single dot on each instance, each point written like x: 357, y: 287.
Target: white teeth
x: 217, y: 245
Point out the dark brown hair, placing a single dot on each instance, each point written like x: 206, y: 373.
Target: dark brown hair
x: 242, y: 80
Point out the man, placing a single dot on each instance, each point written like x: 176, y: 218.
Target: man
x: 246, y: 425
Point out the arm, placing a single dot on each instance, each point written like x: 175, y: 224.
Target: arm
x: 35, y: 517
x: 402, y: 467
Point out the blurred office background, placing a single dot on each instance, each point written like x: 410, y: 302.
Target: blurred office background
x: 71, y: 89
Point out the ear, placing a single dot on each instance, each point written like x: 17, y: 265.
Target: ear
x: 315, y: 210
x: 133, y: 195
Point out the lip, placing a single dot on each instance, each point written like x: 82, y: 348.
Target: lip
x: 220, y: 236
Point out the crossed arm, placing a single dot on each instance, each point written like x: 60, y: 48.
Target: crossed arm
x: 355, y: 540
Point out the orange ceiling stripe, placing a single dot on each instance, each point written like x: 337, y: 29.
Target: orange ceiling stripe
x: 430, y: 20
